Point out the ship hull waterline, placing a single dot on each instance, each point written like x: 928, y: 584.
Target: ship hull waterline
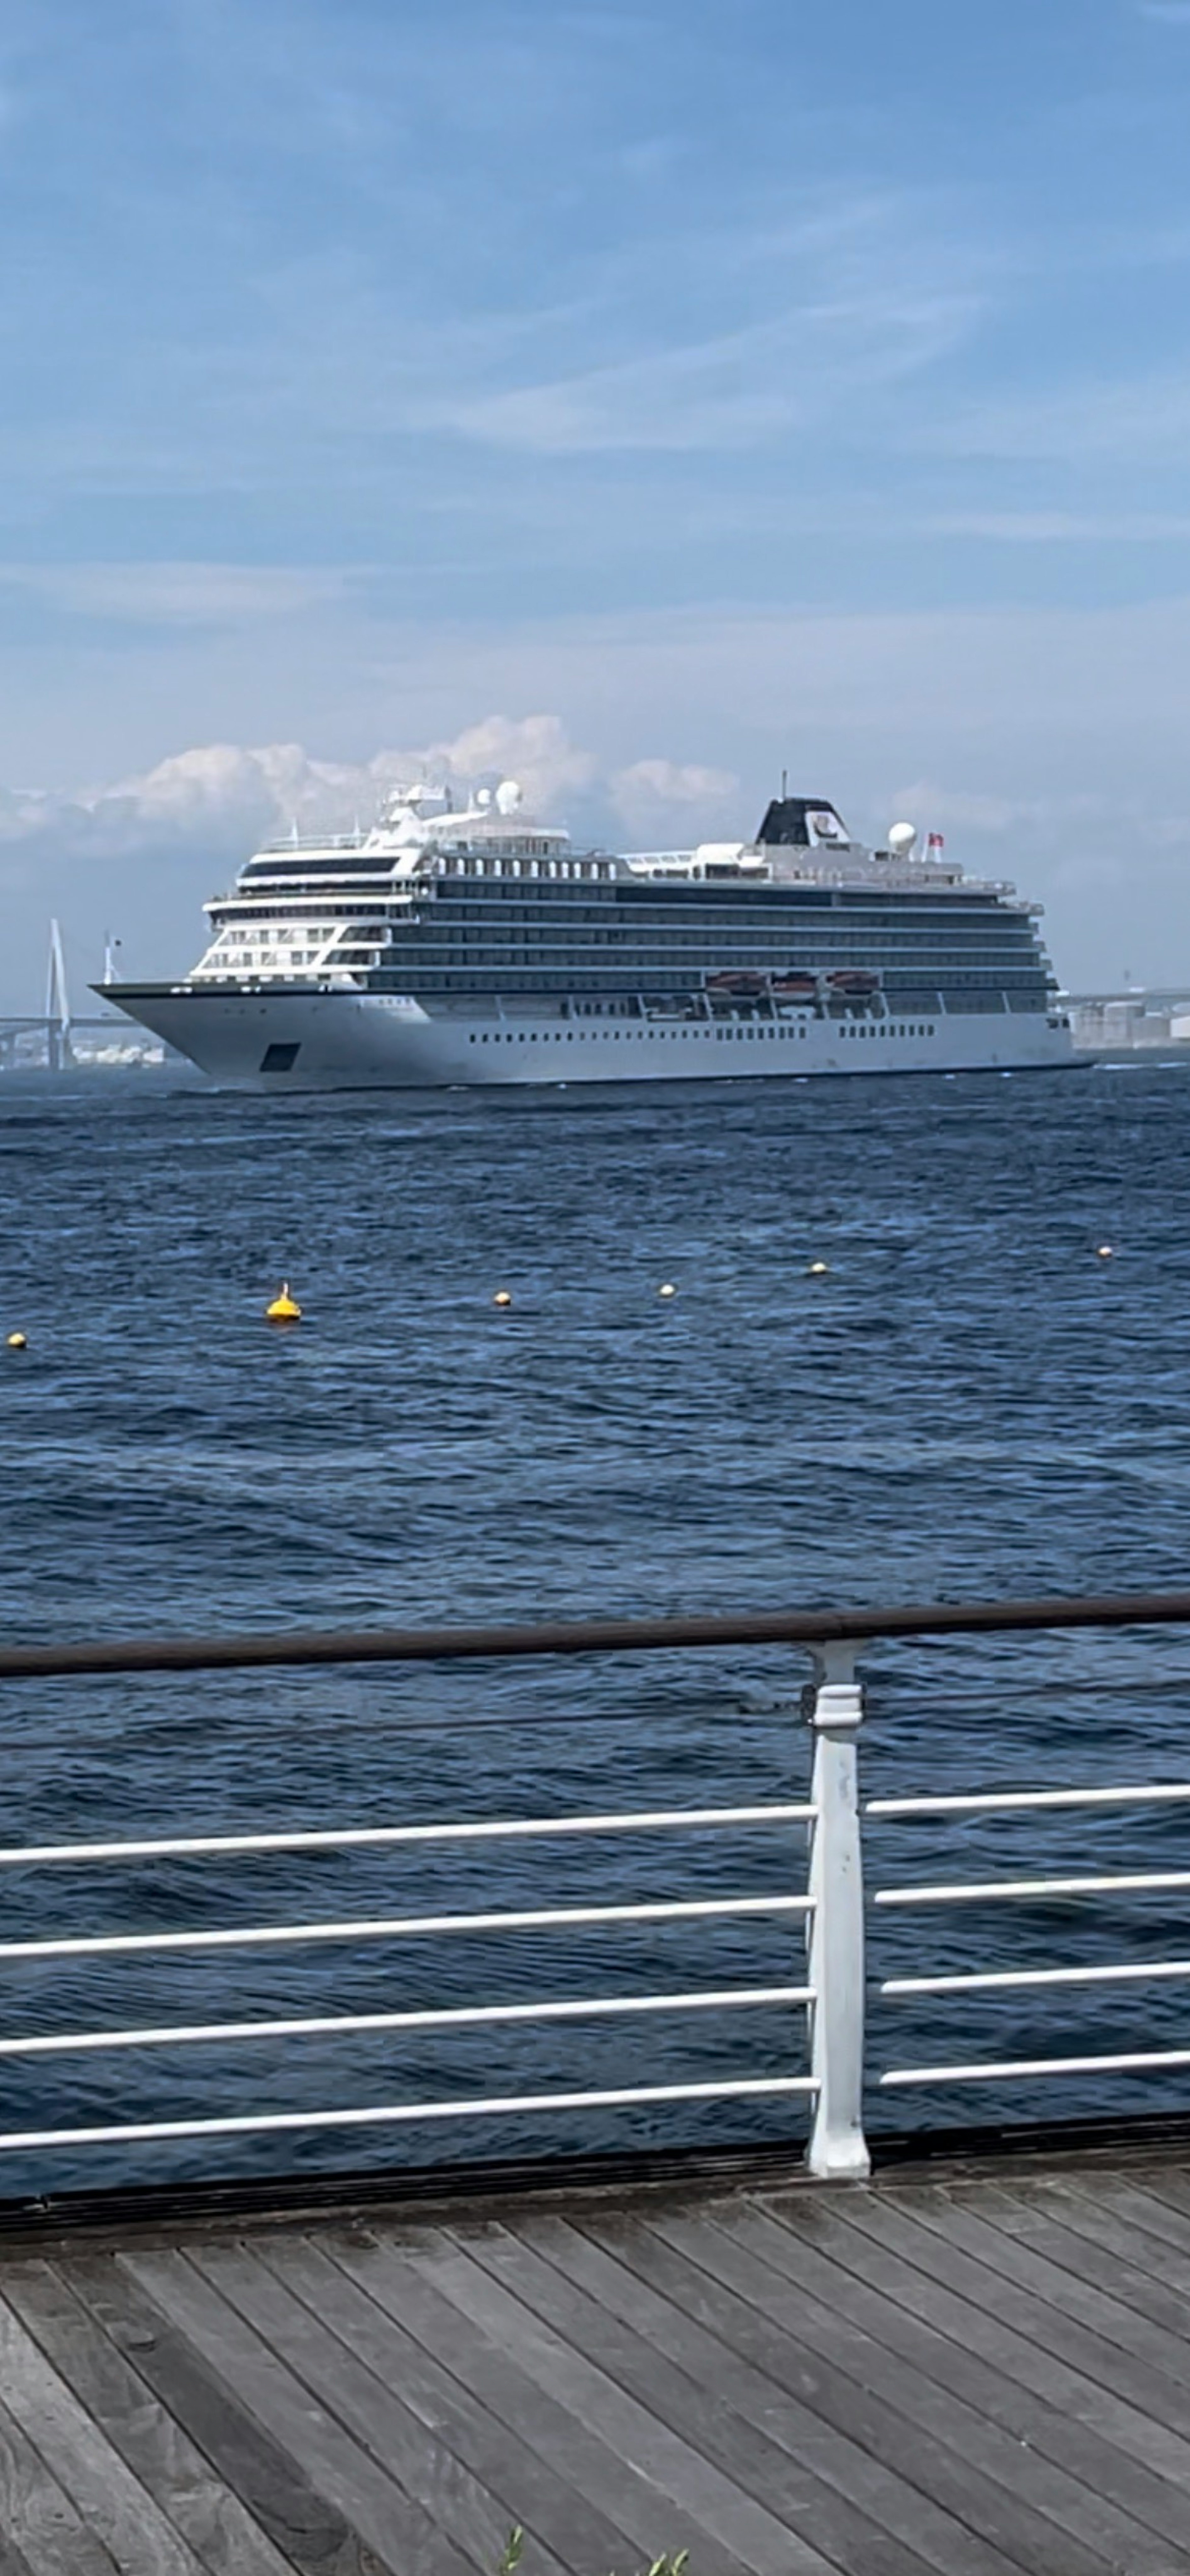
x: 346, y: 1041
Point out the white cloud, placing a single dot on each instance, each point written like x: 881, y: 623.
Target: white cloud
x: 225, y: 791
x: 534, y: 749
x: 649, y: 790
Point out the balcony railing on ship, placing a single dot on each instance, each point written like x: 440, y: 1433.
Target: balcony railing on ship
x: 827, y: 1900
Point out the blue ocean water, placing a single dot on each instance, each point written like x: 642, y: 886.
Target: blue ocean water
x: 969, y: 1403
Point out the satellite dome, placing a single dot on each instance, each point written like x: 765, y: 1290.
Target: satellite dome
x: 901, y: 839
x: 508, y: 796
x: 483, y: 798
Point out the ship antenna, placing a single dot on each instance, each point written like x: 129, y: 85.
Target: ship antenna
x: 784, y: 785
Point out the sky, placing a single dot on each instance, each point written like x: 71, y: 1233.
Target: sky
x: 638, y: 399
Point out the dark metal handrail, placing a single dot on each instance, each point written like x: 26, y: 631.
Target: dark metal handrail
x: 594, y: 1636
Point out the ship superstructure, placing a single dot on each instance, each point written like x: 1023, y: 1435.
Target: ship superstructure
x: 477, y: 945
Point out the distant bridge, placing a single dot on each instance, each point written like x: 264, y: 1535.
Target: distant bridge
x: 55, y: 1026
x: 57, y: 1049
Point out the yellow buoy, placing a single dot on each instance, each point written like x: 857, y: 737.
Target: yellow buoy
x: 17, y: 1342
x: 284, y: 1309
x: 818, y: 1270
x: 502, y: 1297
x: 668, y: 1290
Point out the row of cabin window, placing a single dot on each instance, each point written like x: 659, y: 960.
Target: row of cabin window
x: 453, y: 866
x: 757, y: 1029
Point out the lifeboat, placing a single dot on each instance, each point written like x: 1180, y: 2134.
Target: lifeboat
x: 796, y: 988
x: 853, y: 979
x: 737, y: 982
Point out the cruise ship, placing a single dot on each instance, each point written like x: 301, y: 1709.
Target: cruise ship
x: 474, y: 945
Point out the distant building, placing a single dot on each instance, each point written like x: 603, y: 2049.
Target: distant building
x: 1108, y: 1024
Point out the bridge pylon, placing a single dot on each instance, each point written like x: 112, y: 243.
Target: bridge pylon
x: 59, y: 1050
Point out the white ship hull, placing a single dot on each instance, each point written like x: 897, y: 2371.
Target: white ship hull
x: 343, y: 1041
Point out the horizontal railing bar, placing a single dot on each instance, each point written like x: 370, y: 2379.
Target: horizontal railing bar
x: 493, y: 2106
x: 948, y: 1699
x: 986, y: 1980
x: 94, y: 1945
x: 460, y: 2017
x: 1004, y: 1801
x: 971, y: 1891
x: 185, y: 1847
x: 595, y: 1636
x: 1138, y: 2060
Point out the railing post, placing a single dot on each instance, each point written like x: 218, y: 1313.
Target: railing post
x: 835, y: 1933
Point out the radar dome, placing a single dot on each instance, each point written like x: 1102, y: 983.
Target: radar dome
x: 901, y: 839
x: 483, y: 798
x: 508, y: 796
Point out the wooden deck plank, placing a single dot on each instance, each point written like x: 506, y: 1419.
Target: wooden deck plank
x: 827, y: 2508
x: 913, y: 2488
x: 914, y: 2409
x: 1041, y: 2221
x: 1103, y: 2223
x: 1111, y: 2498
x: 981, y: 2372
x: 312, y: 2536
x: 647, y: 2522
x: 202, y: 2508
x: 372, y: 2504
x: 463, y: 2451
x: 810, y: 2476
x: 906, y: 2267
x: 111, y: 2501
x: 1157, y: 2406
x: 375, y: 2414
x: 44, y: 2531
x: 717, y: 2502
x: 1167, y: 2192
x: 1136, y: 2200
x: 979, y: 2230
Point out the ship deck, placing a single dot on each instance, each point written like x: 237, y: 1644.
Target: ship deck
x: 977, y: 2369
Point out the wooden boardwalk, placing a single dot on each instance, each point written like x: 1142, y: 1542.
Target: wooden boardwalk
x: 978, y: 2374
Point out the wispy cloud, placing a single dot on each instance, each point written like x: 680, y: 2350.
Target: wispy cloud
x: 178, y: 594
x: 1132, y: 417
x: 724, y: 393
x: 1062, y: 527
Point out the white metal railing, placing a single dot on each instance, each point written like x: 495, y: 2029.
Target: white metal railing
x: 264, y: 2119
x: 1073, y: 1889
x: 823, y: 2055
